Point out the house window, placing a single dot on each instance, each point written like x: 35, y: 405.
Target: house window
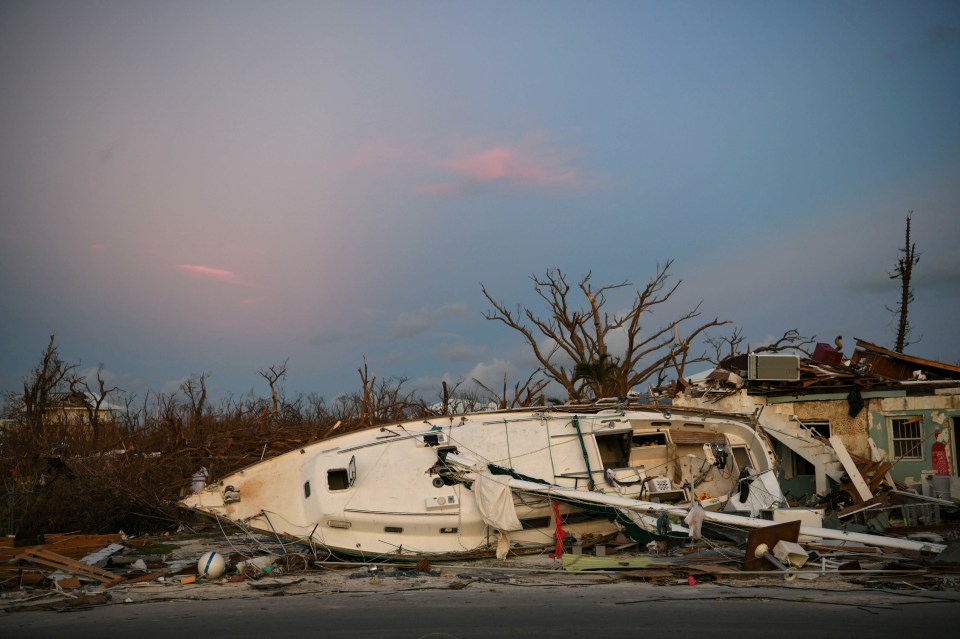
x: 907, y: 437
x: 818, y: 427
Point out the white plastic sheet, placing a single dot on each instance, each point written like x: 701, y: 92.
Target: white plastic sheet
x: 495, y: 502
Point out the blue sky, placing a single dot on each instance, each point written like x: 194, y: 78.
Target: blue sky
x: 218, y: 186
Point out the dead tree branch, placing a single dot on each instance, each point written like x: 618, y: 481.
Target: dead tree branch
x: 572, y: 344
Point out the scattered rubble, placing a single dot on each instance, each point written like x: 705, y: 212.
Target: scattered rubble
x: 59, y: 575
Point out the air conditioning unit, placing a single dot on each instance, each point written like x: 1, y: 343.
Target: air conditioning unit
x: 773, y: 367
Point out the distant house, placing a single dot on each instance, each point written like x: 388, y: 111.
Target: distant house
x: 77, y: 408
x: 878, y: 404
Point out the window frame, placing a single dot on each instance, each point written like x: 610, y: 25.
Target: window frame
x: 899, y: 446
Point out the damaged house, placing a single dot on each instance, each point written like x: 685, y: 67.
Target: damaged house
x: 877, y: 418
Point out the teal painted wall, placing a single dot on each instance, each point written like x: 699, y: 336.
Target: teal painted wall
x: 796, y: 486
x: 908, y: 470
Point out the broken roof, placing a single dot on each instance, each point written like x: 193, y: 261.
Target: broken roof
x: 871, y: 367
x: 891, y: 364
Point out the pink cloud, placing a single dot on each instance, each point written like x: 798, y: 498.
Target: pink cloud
x: 533, y: 162
x: 218, y: 274
x: 526, y: 162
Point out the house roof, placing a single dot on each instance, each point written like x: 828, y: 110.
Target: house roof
x: 899, y: 362
x: 871, y: 368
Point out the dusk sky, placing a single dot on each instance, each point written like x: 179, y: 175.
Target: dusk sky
x: 217, y: 186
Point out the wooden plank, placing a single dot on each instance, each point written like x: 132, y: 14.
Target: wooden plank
x: 880, y: 474
x: 575, y: 563
x: 150, y: 576
x: 848, y: 465
x: 60, y: 562
x: 879, y: 455
x: 69, y: 583
x: 76, y: 546
x: 768, y: 536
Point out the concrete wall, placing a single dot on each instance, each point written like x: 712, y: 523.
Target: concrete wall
x: 937, y: 412
x: 937, y: 409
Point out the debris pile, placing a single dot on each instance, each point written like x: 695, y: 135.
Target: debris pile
x: 72, y: 571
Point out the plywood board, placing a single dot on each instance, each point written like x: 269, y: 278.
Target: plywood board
x: 769, y: 535
x: 848, y: 465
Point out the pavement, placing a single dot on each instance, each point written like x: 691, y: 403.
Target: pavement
x: 696, y: 573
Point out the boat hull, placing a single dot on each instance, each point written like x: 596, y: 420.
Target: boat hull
x: 386, y: 494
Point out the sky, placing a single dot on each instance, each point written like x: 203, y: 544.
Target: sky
x: 220, y: 186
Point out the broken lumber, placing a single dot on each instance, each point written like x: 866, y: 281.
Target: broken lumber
x: 56, y: 561
x: 848, y: 465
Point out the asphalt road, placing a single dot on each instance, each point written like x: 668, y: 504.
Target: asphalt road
x: 616, y: 610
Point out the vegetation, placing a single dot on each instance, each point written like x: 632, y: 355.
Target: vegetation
x: 97, y: 460
x: 591, y: 352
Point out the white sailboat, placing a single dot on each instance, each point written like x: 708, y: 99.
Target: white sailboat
x: 388, y: 493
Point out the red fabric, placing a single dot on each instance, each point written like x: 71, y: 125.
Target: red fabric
x: 938, y: 457
x: 559, y: 534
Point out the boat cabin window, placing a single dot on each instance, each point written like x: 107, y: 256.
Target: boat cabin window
x: 536, y: 522
x: 742, y: 457
x: 649, y: 439
x: 306, y: 490
x: 338, y: 479
x: 614, y: 450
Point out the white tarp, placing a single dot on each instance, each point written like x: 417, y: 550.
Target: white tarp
x: 495, y: 502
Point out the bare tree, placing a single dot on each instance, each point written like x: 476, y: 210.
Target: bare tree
x: 49, y: 379
x: 274, y: 376
x: 527, y: 393
x: 575, y: 352
x: 195, y: 388
x: 378, y: 401
x: 792, y: 340
x: 903, y: 271
x: 727, y: 346
x: 366, y: 401
x: 92, y: 400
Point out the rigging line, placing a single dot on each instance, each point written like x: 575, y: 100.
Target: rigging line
x: 251, y: 536
x: 298, y: 525
x: 718, y: 549
x: 227, y: 537
x: 553, y: 466
x: 462, y: 444
x: 269, y: 523
x: 586, y: 458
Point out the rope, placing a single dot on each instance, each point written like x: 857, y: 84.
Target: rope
x: 586, y: 458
